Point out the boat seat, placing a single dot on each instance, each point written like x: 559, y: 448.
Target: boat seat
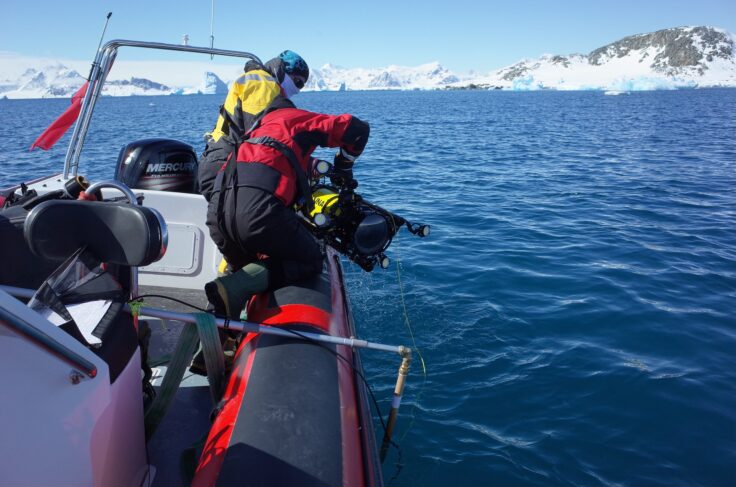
x: 118, y: 234
x: 18, y: 266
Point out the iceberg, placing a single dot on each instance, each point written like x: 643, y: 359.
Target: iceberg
x: 646, y: 83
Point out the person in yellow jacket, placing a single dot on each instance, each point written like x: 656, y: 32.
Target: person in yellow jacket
x: 248, y: 97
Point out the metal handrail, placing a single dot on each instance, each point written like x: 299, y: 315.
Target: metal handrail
x: 100, y: 67
x: 111, y: 183
x: 48, y: 343
x: 248, y: 327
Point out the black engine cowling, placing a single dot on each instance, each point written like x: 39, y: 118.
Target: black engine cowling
x: 158, y: 164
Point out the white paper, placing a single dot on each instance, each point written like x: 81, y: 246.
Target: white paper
x: 86, y: 315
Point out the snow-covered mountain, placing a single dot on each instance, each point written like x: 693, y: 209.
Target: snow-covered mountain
x: 682, y: 57
x: 134, y: 86
x: 50, y: 81
x: 335, y: 78
x: 59, y: 81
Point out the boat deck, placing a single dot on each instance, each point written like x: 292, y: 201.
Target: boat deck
x: 186, y: 423
x: 195, y: 297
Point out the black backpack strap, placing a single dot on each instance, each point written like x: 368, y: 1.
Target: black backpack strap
x: 222, y: 182
x: 302, y: 181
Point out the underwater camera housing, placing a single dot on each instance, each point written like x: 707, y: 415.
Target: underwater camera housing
x: 158, y: 164
x: 355, y: 227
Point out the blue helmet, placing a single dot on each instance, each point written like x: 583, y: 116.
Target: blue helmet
x: 294, y: 64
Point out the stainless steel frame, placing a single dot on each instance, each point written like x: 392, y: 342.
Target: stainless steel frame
x: 100, y: 68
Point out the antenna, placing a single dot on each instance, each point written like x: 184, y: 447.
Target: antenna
x: 107, y: 19
x: 104, y: 29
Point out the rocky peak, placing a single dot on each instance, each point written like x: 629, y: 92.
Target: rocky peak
x: 143, y: 83
x: 680, y: 47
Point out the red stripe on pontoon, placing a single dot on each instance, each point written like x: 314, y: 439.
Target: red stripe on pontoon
x: 221, y: 432
x: 292, y: 314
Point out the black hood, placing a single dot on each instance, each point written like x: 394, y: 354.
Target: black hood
x: 275, y: 66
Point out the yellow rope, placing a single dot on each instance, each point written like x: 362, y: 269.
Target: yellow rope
x: 413, y: 343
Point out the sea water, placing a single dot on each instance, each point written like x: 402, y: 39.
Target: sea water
x: 574, y: 305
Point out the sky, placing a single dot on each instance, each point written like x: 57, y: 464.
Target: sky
x: 462, y: 35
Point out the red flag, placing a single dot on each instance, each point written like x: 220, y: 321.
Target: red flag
x: 59, y: 126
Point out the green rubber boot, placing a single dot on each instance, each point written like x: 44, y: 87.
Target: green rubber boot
x: 229, y: 294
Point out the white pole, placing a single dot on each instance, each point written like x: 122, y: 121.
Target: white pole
x: 212, y: 29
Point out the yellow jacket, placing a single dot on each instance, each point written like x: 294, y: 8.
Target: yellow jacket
x: 249, y: 95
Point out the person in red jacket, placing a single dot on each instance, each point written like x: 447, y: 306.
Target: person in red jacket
x: 251, y: 214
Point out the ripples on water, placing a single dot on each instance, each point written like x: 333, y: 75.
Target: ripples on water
x: 574, y: 303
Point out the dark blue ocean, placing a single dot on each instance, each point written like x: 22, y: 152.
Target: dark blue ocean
x: 575, y: 303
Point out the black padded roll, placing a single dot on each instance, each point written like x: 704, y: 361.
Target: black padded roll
x: 114, y: 232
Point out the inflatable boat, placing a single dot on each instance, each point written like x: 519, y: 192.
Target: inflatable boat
x: 97, y: 334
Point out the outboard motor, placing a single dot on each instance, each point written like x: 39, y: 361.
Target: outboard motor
x: 158, y: 164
